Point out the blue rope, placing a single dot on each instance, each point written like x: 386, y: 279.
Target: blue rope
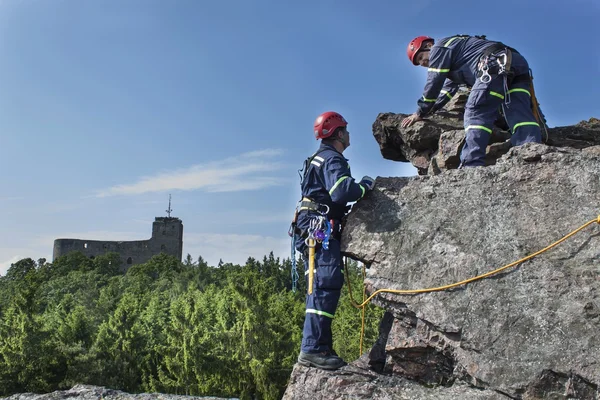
x: 295, y: 275
x: 327, y: 234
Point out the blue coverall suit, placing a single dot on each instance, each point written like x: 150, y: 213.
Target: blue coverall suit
x: 327, y: 181
x: 454, y: 61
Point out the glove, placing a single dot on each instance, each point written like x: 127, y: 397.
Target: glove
x: 367, y: 182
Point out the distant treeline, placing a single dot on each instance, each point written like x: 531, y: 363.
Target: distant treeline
x: 164, y: 326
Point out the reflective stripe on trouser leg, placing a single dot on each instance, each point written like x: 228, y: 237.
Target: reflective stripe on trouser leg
x: 322, y: 303
x: 481, y: 111
x: 476, y: 141
x: 519, y: 113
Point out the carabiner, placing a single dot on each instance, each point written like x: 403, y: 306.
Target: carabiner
x: 502, y: 59
x: 310, y: 242
x: 483, y: 68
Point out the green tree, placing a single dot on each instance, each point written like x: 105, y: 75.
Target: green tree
x: 192, y: 365
x: 152, y: 322
x: 119, y: 347
x: 164, y: 326
x: 24, y: 364
x: 71, y: 330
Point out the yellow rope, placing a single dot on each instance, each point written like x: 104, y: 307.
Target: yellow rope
x: 363, y: 311
x: 463, y: 282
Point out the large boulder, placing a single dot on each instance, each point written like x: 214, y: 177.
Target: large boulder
x: 433, y: 145
x: 530, y: 332
x: 357, y: 381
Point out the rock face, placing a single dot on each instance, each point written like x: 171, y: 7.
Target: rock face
x: 530, y: 332
x: 88, y: 392
x: 434, y: 145
x: 357, y: 381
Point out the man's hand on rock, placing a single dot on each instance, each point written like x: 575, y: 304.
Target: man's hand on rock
x: 367, y: 182
x: 408, y: 121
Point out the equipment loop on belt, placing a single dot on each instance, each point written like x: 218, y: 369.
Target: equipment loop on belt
x: 307, y: 204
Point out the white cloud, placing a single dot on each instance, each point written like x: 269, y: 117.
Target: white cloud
x: 4, y: 266
x: 234, y: 248
x: 262, y: 153
x: 248, y: 171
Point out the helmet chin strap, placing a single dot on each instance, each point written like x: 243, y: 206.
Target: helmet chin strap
x: 342, y: 141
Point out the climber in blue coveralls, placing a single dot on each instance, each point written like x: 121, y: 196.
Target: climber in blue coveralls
x: 498, y: 76
x: 327, y: 186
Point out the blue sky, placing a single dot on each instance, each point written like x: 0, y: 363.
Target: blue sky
x: 106, y: 107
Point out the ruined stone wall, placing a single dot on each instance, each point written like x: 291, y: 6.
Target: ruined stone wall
x: 167, y: 237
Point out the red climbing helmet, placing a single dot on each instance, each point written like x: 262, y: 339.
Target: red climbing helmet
x: 326, y: 124
x: 415, y: 45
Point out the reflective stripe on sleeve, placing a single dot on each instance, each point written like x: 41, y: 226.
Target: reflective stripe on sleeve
x: 520, y: 90
x: 452, y: 40
x: 337, y: 184
x: 323, y: 313
x: 438, y: 70
x: 363, y: 190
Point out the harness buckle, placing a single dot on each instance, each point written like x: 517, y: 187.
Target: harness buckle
x: 309, y: 205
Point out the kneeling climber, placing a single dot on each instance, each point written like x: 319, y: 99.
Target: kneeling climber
x: 497, y: 74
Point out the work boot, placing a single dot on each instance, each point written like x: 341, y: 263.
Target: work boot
x: 322, y: 360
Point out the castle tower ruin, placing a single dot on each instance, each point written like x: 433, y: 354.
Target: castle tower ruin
x: 167, y: 237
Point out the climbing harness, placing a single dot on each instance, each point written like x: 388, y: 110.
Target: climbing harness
x: 304, y: 204
x: 496, y: 59
x: 463, y: 282
x: 318, y: 233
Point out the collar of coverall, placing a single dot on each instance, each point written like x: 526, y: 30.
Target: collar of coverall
x: 330, y: 147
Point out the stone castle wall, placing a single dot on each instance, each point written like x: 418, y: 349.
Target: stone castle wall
x: 167, y: 237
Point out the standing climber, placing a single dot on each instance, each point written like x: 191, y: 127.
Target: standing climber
x: 327, y: 186
x: 498, y: 75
